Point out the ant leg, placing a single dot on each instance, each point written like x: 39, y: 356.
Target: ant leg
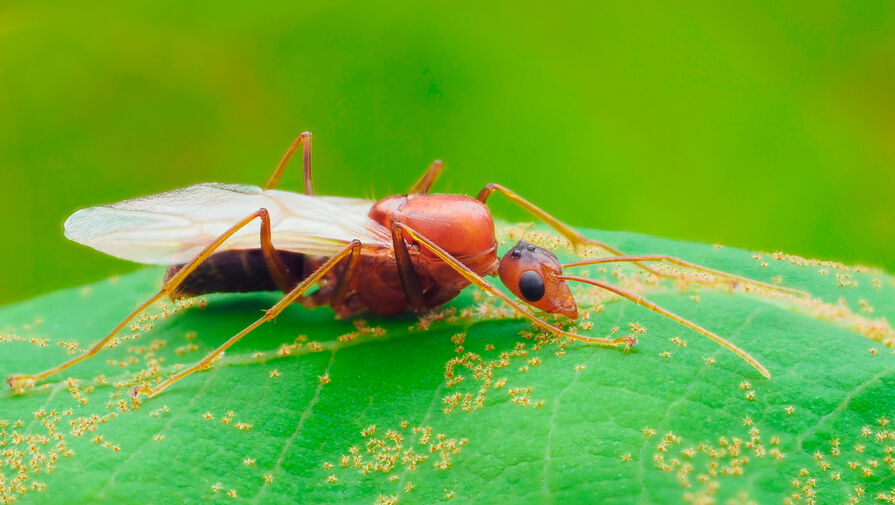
x: 304, y: 141
x: 349, y: 250
x: 409, y: 279
x: 425, y: 182
x: 578, y: 240
x: 278, y: 270
x: 677, y: 261
x: 639, y: 300
x: 489, y: 288
x: 341, y: 290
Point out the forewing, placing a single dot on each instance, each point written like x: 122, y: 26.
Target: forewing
x: 313, y: 222
x: 172, y: 227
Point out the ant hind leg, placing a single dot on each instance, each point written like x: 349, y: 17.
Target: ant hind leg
x: 350, y: 250
x: 278, y: 271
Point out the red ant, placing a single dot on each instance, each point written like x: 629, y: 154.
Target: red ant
x: 416, y: 250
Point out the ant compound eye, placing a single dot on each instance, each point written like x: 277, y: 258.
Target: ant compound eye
x: 531, y: 285
x: 531, y: 247
x: 516, y: 254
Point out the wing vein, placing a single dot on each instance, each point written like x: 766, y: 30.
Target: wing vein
x: 172, y: 227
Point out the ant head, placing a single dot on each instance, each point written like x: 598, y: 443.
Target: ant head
x: 532, y: 273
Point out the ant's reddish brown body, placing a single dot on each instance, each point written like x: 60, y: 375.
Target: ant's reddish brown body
x: 467, y: 235
x: 415, y: 251
x: 374, y: 282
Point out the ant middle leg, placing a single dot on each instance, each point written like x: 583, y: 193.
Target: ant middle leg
x: 424, y: 183
x: 278, y: 271
x: 351, y: 250
x: 303, y: 141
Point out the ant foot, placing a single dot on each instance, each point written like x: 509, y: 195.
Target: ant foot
x: 19, y: 383
x: 585, y: 250
x: 630, y: 341
x: 141, y: 389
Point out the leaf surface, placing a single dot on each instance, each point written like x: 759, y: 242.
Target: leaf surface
x: 471, y: 407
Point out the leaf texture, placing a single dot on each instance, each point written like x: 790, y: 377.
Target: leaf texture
x: 470, y: 405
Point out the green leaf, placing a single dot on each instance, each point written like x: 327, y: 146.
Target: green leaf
x: 557, y: 421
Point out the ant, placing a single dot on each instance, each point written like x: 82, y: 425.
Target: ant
x: 412, y: 251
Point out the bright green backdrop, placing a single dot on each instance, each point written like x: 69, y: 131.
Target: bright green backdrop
x: 754, y: 125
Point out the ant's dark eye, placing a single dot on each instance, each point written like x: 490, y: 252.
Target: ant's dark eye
x: 531, y: 286
x: 531, y: 247
x: 516, y: 253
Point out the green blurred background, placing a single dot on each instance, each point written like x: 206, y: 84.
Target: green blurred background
x: 750, y: 124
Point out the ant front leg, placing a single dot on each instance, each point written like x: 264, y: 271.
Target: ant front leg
x: 487, y: 287
x: 303, y: 141
x: 278, y: 271
x: 579, y: 241
x: 409, y: 278
x: 350, y: 250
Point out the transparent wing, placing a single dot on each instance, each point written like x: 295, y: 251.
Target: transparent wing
x: 171, y: 228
